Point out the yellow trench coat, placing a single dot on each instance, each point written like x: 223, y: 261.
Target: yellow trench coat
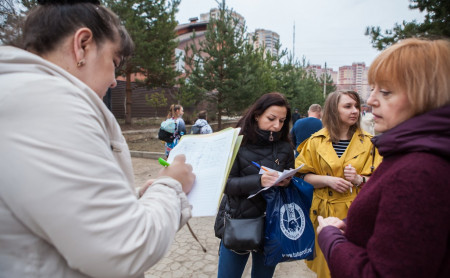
x: 320, y: 158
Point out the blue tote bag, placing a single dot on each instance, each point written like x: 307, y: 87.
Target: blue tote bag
x: 289, y: 233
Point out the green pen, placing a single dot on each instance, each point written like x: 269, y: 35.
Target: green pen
x: 163, y: 162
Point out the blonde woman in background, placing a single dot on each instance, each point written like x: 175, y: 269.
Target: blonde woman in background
x: 176, y: 112
x: 339, y: 160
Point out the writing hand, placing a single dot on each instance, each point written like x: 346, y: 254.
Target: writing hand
x: 180, y: 171
x: 268, y: 178
x: 284, y: 182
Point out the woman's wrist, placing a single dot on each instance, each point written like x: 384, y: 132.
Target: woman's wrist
x: 361, y: 180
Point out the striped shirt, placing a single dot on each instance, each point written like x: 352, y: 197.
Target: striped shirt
x: 340, y: 147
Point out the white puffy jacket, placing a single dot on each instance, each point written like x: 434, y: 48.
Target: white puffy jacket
x: 67, y: 202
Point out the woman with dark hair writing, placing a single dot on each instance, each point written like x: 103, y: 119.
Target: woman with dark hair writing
x: 265, y: 127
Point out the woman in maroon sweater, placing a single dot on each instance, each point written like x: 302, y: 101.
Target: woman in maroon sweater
x: 399, y: 225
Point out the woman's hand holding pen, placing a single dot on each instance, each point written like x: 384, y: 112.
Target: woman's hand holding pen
x: 180, y: 171
x: 284, y: 182
x: 351, y: 175
x: 268, y: 178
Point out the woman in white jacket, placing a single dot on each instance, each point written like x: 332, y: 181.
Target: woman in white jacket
x: 67, y: 202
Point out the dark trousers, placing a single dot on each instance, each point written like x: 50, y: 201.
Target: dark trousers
x: 232, y: 264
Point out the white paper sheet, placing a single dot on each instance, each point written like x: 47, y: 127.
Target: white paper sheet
x: 209, y: 156
x: 281, y: 176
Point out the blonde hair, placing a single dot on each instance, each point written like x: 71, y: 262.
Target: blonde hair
x: 315, y: 108
x: 173, y: 111
x: 419, y: 67
x: 331, y: 119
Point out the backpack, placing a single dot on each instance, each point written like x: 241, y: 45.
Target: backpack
x: 166, y: 132
x: 195, y: 129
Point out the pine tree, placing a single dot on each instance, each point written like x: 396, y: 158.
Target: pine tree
x: 218, y: 63
x: 12, y: 17
x: 151, y: 25
x: 436, y: 24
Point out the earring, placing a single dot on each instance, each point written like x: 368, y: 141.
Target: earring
x: 81, y: 63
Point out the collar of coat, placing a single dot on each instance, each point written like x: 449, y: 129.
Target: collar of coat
x: 326, y: 150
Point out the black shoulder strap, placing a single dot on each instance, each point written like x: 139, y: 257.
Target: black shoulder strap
x: 372, y: 168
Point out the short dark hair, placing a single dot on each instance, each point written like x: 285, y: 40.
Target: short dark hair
x: 248, y: 124
x: 48, y: 24
x: 202, y: 115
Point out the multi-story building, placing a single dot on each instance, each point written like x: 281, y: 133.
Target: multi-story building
x: 354, y: 78
x: 215, y: 13
x: 184, y: 37
x: 185, y: 32
x: 266, y: 39
x: 319, y: 72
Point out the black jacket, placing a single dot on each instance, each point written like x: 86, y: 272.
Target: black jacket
x: 244, y: 179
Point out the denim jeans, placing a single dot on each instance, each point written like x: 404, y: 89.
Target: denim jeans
x: 232, y: 265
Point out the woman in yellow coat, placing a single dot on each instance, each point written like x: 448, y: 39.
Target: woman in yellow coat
x: 338, y: 160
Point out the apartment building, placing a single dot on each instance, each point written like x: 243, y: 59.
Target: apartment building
x: 184, y: 36
x: 354, y: 78
x: 319, y: 72
x: 215, y: 13
x: 266, y: 39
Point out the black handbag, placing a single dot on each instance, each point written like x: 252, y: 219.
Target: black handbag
x: 165, y: 136
x: 219, y: 224
x: 243, y: 234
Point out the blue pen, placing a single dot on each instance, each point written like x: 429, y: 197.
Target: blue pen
x: 259, y: 166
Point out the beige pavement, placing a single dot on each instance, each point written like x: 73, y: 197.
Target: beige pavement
x: 185, y: 257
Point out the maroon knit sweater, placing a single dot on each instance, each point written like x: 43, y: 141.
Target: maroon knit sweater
x: 399, y: 224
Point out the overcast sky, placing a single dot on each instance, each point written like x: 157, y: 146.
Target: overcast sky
x: 330, y: 31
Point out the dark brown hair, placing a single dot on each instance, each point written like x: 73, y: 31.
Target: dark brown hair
x: 248, y: 124
x: 331, y: 119
x: 202, y: 115
x: 48, y: 24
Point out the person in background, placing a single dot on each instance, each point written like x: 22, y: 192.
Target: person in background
x: 305, y: 127
x: 265, y: 127
x: 367, y: 120
x: 295, y: 116
x: 201, y: 125
x: 68, y: 206
x: 338, y: 160
x: 399, y: 224
x: 176, y: 112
